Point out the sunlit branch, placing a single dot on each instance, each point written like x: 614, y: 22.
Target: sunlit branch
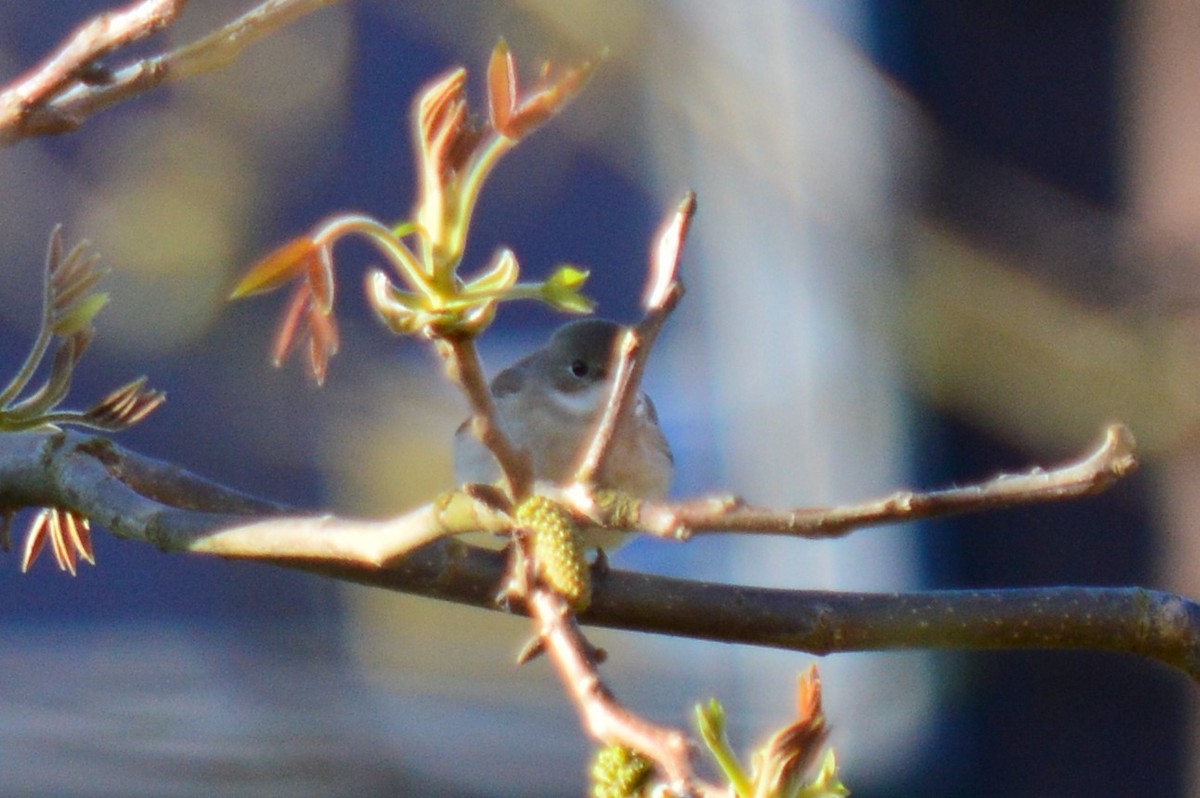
x: 603, y: 717
x: 664, y: 290
x: 462, y: 364
x: 1112, y: 459
x: 138, y: 498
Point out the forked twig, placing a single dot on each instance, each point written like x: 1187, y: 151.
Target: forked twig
x: 568, y: 649
x: 603, y: 717
x: 663, y: 292
x: 34, y: 93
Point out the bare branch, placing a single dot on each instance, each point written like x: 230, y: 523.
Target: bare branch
x: 61, y: 93
x: 94, y: 39
x: 1112, y: 459
x: 663, y: 292
x: 142, y: 499
x: 222, y: 46
x: 603, y: 717
x: 1157, y: 625
x: 1154, y: 624
x: 463, y: 367
x: 28, y: 103
x: 97, y: 478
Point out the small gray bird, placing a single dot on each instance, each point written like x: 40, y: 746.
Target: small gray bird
x: 548, y: 403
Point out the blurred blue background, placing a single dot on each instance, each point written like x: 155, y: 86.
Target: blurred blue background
x: 935, y: 241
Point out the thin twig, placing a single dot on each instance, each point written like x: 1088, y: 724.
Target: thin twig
x: 32, y: 94
x: 462, y: 365
x: 576, y: 661
x: 97, y: 37
x: 568, y: 649
x: 603, y: 717
x: 57, y: 97
x: 101, y: 480
x: 222, y: 46
x: 663, y: 292
x: 1111, y: 460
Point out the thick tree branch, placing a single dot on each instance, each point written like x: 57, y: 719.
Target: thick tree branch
x: 1154, y: 624
x: 1134, y: 620
x: 59, y: 94
x: 141, y: 499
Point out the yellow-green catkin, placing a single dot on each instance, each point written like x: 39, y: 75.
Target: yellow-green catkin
x: 558, y: 550
x: 618, y: 772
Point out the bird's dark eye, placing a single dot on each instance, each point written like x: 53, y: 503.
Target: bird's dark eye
x: 579, y: 368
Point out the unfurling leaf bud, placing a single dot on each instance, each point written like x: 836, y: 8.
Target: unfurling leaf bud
x: 80, y: 317
x: 285, y: 263
x: 390, y: 305
x: 561, y: 290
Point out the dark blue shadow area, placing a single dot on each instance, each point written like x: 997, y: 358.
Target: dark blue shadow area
x: 1033, y: 85
x: 1032, y: 88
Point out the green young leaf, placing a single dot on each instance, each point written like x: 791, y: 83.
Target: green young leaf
x: 569, y: 277
x: 501, y: 276
x: 710, y: 721
x: 80, y: 317
x: 477, y: 318
x: 561, y: 290
x: 399, y: 311
x: 826, y: 784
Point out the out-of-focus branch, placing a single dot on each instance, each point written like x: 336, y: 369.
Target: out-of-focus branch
x: 74, y: 63
x: 141, y: 499
x: 222, y: 46
x: 70, y: 85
